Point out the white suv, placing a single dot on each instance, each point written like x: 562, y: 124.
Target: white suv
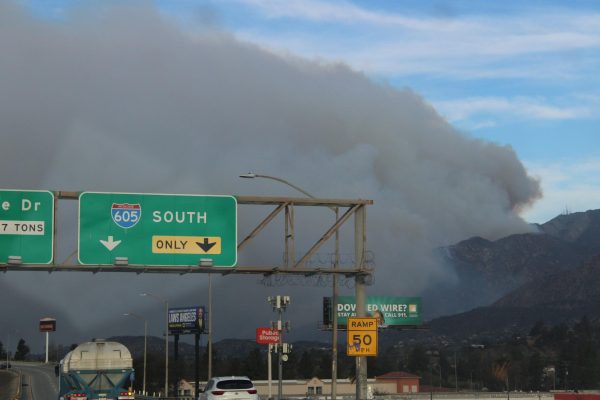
x: 228, y: 388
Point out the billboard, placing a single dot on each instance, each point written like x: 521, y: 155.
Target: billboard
x: 186, y: 320
x: 47, y: 325
x: 390, y: 311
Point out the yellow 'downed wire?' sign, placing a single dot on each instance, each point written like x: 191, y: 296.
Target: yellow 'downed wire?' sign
x: 362, y: 336
x: 186, y: 244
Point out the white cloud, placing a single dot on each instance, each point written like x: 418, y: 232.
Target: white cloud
x: 520, y: 107
x: 475, y: 46
x: 572, y: 186
x: 345, y: 12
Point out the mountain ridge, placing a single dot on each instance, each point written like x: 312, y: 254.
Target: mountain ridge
x: 551, y: 275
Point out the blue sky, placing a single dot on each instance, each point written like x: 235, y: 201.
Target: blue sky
x: 524, y: 74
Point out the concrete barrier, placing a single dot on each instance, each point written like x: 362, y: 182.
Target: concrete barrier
x: 19, y: 386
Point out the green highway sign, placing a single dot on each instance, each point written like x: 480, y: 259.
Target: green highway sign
x: 27, y: 226
x: 157, y: 229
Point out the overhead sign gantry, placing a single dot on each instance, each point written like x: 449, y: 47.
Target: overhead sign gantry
x: 168, y: 233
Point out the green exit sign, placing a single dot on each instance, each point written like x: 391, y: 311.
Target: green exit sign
x: 157, y: 229
x: 27, y: 226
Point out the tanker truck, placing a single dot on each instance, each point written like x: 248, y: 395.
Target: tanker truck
x: 96, y: 370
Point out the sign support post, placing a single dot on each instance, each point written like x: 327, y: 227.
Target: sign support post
x: 176, y: 361
x: 197, y: 362
x: 47, y: 325
x: 47, y: 343
x: 360, y: 289
x: 270, y: 336
x: 270, y: 371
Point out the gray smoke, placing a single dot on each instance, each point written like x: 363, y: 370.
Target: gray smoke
x: 120, y: 99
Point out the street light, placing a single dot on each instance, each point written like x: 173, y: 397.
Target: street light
x: 334, y: 327
x: 251, y: 175
x: 130, y: 314
x: 8, y: 344
x: 166, y: 339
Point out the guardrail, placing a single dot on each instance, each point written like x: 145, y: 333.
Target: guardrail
x: 142, y: 397
x: 408, y: 396
x: 468, y: 396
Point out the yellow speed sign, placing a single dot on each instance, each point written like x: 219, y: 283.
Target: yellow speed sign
x: 362, y: 337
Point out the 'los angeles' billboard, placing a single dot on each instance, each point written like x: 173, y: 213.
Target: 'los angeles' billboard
x: 186, y: 320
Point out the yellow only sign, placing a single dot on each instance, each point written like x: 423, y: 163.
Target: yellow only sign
x: 186, y: 245
x: 362, y: 337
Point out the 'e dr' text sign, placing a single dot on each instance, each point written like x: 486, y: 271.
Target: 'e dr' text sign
x: 27, y: 226
x: 157, y: 229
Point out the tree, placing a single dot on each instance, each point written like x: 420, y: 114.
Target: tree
x: 22, y: 350
x: 305, y: 365
x: 444, y: 368
x: 538, y: 329
x: 535, y: 372
x: 417, y: 360
x: 2, y: 351
x: 255, y: 365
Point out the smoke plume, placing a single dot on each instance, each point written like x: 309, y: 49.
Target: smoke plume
x: 122, y: 99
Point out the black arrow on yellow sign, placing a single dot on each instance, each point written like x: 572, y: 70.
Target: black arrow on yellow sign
x: 205, y: 245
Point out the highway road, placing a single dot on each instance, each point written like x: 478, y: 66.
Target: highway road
x: 39, y: 381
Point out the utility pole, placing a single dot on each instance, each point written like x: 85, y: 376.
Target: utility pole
x: 279, y: 304
x: 145, y: 345
x: 336, y: 263
x: 455, y: 373
x: 166, y: 338
x: 360, y: 288
x: 210, y: 326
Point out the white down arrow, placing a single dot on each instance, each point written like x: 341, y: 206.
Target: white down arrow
x: 110, y: 244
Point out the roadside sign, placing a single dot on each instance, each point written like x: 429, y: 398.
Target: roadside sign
x: 266, y: 335
x: 186, y: 320
x: 157, y: 229
x: 362, y: 336
x: 27, y: 226
x: 47, y: 325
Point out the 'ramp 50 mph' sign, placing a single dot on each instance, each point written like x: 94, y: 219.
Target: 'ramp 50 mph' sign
x: 362, y: 336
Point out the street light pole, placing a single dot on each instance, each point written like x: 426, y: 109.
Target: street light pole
x: 7, y: 349
x: 166, y: 339
x: 145, y: 341
x: 210, y: 326
x: 334, y: 297
x: 8, y: 344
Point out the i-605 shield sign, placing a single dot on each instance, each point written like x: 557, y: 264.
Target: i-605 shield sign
x: 157, y: 229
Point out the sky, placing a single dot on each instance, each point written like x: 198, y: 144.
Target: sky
x: 458, y: 119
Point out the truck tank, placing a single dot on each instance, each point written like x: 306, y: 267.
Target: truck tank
x: 96, y: 370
